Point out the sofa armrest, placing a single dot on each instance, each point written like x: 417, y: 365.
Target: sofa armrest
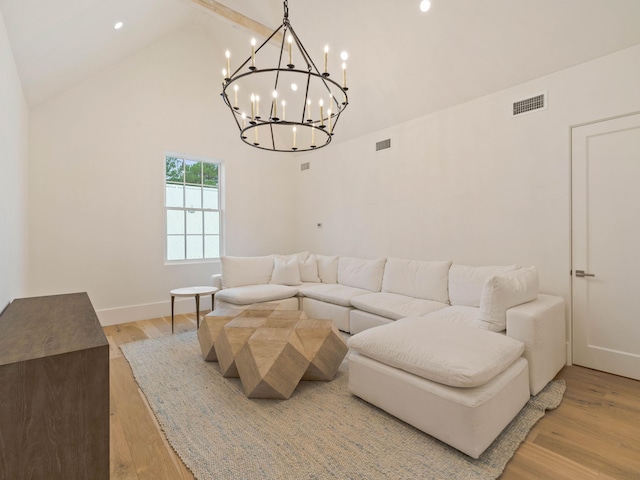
x: 540, y: 325
x: 216, y: 280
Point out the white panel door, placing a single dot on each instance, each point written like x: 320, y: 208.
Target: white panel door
x: 606, y: 245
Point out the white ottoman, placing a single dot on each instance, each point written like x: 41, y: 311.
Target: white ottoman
x: 457, y: 383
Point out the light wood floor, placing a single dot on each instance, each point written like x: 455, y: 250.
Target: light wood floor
x: 594, y: 434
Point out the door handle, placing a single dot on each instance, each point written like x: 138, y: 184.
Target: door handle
x: 581, y: 273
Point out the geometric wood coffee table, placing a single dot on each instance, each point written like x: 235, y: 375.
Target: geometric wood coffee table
x: 271, y: 350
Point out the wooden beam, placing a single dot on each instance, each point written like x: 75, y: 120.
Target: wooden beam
x: 230, y: 16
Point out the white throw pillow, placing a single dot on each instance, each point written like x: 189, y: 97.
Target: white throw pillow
x: 309, y: 270
x: 286, y: 270
x: 361, y: 273
x: 501, y: 292
x: 327, y: 268
x: 466, y: 283
x: 241, y: 271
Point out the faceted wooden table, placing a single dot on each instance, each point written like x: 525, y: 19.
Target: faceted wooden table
x: 272, y: 361
x: 212, y: 326
x: 324, y: 348
x: 208, y: 333
x: 271, y: 350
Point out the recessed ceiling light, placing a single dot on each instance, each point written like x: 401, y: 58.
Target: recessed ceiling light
x: 425, y: 5
x: 118, y: 25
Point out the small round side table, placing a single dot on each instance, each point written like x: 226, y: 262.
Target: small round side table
x: 192, y: 292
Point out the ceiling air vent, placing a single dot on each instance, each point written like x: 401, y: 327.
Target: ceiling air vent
x: 305, y: 166
x: 383, y: 144
x: 532, y: 104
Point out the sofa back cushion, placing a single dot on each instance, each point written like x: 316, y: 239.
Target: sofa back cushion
x: 417, y: 279
x: 241, y: 271
x: 327, y: 268
x: 361, y: 273
x: 501, y: 292
x: 466, y: 283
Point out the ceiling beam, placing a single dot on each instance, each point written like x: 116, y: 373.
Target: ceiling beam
x: 237, y: 19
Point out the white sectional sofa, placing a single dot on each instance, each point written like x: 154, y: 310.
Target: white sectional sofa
x: 457, y: 350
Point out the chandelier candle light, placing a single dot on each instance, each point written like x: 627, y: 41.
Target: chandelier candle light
x: 296, y: 131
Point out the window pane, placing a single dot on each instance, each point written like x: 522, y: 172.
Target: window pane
x: 193, y: 172
x: 194, y: 222
x: 175, y: 222
x: 174, y: 169
x: 210, y: 197
x: 194, y: 246
x: 174, y: 195
x: 210, y: 173
x: 211, y: 246
x: 193, y: 197
x: 175, y: 247
x: 211, y: 223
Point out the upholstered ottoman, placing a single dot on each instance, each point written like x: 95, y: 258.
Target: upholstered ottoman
x: 457, y: 383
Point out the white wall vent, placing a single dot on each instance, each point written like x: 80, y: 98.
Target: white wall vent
x: 383, y: 144
x: 531, y: 104
x: 305, y: 166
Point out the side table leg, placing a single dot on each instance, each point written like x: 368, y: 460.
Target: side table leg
x: 173, y: 298
x: 213, y: 301
x: 197, y: 310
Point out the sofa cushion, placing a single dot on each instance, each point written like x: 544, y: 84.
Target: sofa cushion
x: 456, y: 314
x: 446, y: 353
x: 241, y: 271
x: 256, y: 294
x: 502, y: 292
x: 361, y: 273
x: 336, y: 294
x: 309, y: 270
x: 465, y: 282
x: 394, y: 306
x: 419, y: 279
x: 286, y: 270
x: 327, y: 268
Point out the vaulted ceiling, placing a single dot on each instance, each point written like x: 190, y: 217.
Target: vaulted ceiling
x: 402, y: 63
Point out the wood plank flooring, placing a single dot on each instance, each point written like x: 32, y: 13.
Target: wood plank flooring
x: 593, y: 435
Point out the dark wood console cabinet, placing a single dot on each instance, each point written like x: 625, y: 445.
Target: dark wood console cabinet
x: 54, y: 390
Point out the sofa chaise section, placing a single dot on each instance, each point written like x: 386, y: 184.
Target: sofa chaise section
x: 458, y: 383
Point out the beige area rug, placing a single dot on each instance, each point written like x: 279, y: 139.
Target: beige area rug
x: 321, y: 432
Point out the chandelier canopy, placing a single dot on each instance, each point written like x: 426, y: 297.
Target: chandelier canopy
x: 300, y: 105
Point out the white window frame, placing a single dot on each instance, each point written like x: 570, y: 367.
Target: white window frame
x: 220, y: 210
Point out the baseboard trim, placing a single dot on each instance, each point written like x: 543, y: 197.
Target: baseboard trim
x: 133, y: 313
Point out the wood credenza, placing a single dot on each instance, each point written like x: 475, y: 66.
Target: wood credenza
x: 54, y: 390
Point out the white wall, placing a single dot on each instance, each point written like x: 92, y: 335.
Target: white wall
x: 468, y: 183
x: 14, y: 117
x: 96, y: 180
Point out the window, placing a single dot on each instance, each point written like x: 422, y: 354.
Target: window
x: 192, y: 208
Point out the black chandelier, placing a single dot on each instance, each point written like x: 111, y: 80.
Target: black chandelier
x: 303, y: 105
